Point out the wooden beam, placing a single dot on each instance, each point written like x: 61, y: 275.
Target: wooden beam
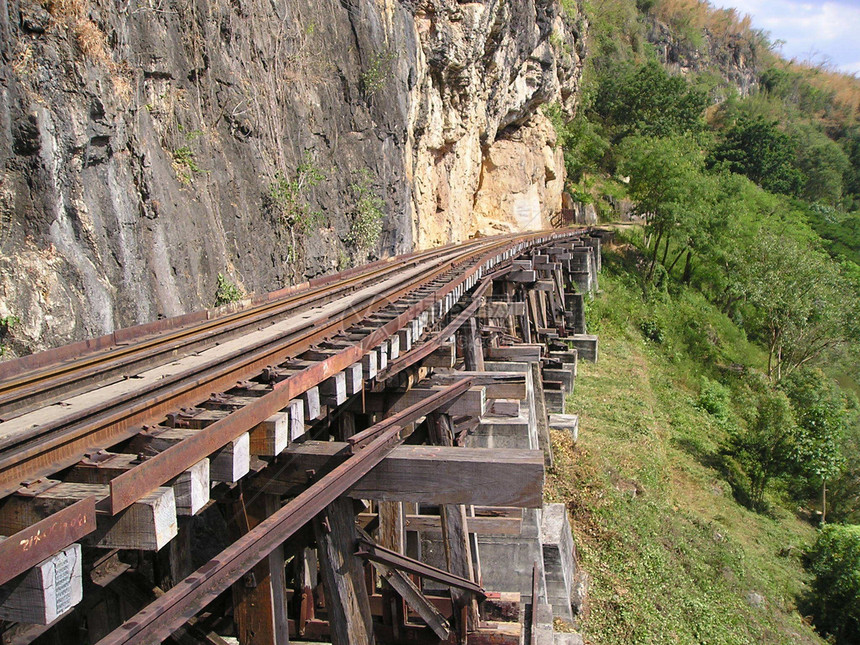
x: 190, y: 489
x: 473, y: 351
x: 472, y: 403
x: 408, y: 590
x: 524, y: 352
x: 227, y: 464
x: 499, y: 385
x: 347, y: 602
x: 425, y: 474
x: 444, y: 356
x: 148, y: 524
x: 46, y: 591
x: 258, y: 607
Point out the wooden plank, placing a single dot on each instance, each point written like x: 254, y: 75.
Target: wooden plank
x: 477, y: 525
x: 473, y: 351
x: 524, y: 352
x: 228, y: 464
x: 148, y: 524
x: 521, y: 276
x: 311, y: 402
x: 499, y: 385
x: 190, y: 489
x: 425, y: 474
x: 354, y: 380
x: 347, y: 602
x: 46, y: 591
x: 501, y: 309
x: 541, y: 414
x: 391, y: 533
x: 270, y: 438
x: 296, y: 410
x: 444, y: 356
x: 255, y: 610
x: 333, y: 390
x: 455, y: 537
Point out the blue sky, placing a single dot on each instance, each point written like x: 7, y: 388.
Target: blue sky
x: 817, y: 31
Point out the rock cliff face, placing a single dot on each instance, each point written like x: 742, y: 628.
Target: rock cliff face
x: 733, y: 56
x: 147, y: 145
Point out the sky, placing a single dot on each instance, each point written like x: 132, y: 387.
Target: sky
x: 818, y: 31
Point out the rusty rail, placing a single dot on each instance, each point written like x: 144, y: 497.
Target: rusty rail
x: 168, y: 613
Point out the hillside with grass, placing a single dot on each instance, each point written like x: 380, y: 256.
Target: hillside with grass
x: 671, y: 554
x: 715, y: 488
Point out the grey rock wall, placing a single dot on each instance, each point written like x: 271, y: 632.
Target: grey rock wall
x: 139, y: 140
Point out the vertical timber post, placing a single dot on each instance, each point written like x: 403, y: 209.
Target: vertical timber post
x: 346, y: 599
x: 455, y: 537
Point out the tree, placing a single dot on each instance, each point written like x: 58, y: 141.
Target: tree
x: 824, y: 164
x: 766, y: 449
x: 835, y: 562
x: 758, y: 149
x: 799, y: 304
x: 821, y: 415
x: 648, y: 101
x: 668, y: 187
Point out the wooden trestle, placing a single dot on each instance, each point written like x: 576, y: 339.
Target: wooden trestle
x: 323, y: 464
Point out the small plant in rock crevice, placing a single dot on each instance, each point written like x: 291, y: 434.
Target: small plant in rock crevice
x: 6, y: 325
x: 227, y: 292
x: 375, y: 77
x: 366, y: 225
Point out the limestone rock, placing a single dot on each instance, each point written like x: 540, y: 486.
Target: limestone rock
x: 140, y: 145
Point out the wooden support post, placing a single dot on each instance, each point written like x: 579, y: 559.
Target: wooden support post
x: 347, y: 602
x: 345, y: 425
x: 455, y: 537
x: 473, y: 351
x: 391, y: 535
x: 258, y: 607
x: 419, y: 603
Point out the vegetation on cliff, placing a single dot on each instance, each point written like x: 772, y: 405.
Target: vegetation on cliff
x: 730, y: 323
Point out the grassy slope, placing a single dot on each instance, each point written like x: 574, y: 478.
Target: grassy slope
x: 671, y: 555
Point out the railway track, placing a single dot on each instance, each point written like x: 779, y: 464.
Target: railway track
x: 193, y: 389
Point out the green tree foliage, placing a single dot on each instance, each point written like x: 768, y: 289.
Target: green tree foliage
x: 835, y: 563
x: 766, y: 449
x: 758, y: 149
x: 797, y: 303
x: 824, y: 165
x: 822, y: 418
x: 667, y: 185
x: 581, y: 141
x: 647, y: 100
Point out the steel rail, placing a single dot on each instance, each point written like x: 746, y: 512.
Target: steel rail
x: 158, y: 620
x: 129, y: 486
x: 142, y: 479
x: 53, y: 447
x: 39, y: 384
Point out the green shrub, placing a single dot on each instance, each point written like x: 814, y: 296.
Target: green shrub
x: 714, y: 398
x: 652, y: 331
x: 376, y: 76
x: 227, y: 292
x: 835, y: 562
x: 287, y: 197
x: 366, y: 224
